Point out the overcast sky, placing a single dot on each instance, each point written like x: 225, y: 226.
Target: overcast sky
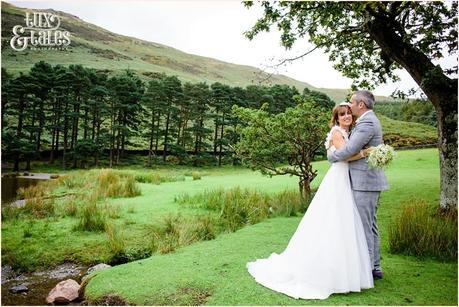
x: 208, y: 28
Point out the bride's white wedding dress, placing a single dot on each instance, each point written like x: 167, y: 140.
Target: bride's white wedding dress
x: 328, y: 252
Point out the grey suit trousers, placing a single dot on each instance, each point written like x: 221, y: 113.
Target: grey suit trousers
x: 367, y: 205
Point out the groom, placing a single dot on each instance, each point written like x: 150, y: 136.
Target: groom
x: 366, y: 182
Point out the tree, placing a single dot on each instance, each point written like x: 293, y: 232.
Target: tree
x: 41, y: 76
x: 198, y: 98
x: 282, y: 96
x: 153, y: 98
x: 368, y: 41
x: 319, y: 98
x: 173, y: 92
x: 221, y: 98
x: 268, y: 142
x: 14, y: 140
x: 126, y: 93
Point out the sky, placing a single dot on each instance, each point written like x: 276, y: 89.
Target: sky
x: 212, y: 29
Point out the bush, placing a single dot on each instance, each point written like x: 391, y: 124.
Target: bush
x: 200, y: 228
x: 173, y: 232
x: 112, y: 183
x: 166, y: 235
x: 419, y: 231
x: 92, y: 218
x: 239, y: 207
x: 116, y: 241
x: 112, y: 211
x: 196, y: 175
x: 155, y: 178
x: 35, y: 202
x: 70, y: 206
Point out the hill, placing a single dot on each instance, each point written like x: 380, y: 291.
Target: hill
x: 95, y: 47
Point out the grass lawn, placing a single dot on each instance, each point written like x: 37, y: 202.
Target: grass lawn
x: 213, y: 272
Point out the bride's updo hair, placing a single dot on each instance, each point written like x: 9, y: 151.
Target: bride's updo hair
x: 340, y: 110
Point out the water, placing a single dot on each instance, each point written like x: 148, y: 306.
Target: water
x: 10, y: 186
x: 39, y: 284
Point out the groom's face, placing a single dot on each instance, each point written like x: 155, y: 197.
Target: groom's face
x: 356, y: 106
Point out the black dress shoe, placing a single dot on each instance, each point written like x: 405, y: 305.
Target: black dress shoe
x: 377, y: 274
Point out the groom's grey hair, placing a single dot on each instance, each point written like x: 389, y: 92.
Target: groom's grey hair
x: 366, y: 97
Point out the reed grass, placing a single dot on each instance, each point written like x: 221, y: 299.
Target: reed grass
x: 239, y: 207
x: 420, y: 231
x: 92, y: 217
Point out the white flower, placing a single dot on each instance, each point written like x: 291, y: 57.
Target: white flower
x: 381, y: 156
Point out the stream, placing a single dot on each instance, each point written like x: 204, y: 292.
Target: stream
x: 39, y: 284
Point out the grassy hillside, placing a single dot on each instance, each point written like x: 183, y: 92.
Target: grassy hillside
x: 399, y: 133
x: 95, y: 47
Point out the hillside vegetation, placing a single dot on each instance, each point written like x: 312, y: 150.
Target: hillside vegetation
x: 95, y: 47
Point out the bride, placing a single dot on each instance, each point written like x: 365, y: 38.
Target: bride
x: 328, y: 252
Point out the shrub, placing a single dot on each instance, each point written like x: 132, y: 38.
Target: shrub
x: 173, y: 232
x: 166, y: 235
x: 131, y: 209
x: 196, y: 175
x: 92, y: 218
x: 116, y: 241
x: 204, y: 228
x: 35, y: 202
x: 112, y: 211
x: 419, y: 231
x: 72, y: 181
x: 239, y: 207
x: 112, y: 183
x: 70, y: 206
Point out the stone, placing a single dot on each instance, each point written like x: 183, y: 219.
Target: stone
x: 7, y: 273
x: 66, y: 270
x: 18, y: 203
x: 100, y: 266
x: 19, y: 289
x: 64, y: 292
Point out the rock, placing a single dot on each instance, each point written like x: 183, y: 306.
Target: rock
x: 64, y: 292
x: 18, y: 203
x: 65, y: 270
x: 19, y: 289
x: 20, y: 278
x: 7, y: 273
x: 100, y: 266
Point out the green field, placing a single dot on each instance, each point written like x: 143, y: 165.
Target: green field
x: 213, y: 272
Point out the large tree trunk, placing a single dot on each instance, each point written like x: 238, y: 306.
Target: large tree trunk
x: 441, y: 91
x: 305, y: 188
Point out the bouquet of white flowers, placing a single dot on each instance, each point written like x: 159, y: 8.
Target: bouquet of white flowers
x: 381, y: 156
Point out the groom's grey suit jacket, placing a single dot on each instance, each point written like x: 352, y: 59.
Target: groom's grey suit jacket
x: 367, y: 132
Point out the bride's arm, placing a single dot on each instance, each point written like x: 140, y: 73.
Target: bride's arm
x: 338, y: 142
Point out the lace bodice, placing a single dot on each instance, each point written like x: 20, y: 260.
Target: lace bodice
x: 327, y: 143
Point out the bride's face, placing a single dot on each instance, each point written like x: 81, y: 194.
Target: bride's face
x: 345, y: 118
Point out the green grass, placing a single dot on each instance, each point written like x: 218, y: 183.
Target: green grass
x: 59, y: 241
x: 213, y: 272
